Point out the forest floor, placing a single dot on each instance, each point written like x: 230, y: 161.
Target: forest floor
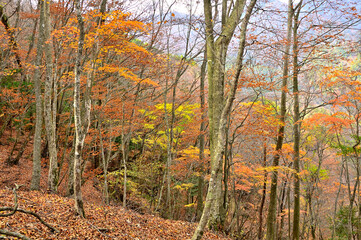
x: 101, y: 222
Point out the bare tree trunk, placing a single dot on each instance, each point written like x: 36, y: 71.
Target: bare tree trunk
x: 272, y: 209
x: 217, y: 154
x: 216, y: 56
x: 282, y: 204
x: 169, y: 134
x: 35, y: 179
x: 201, y: 138
x: 104, y: 165
x: 125, y: 174
x: 296, y: 129
x: 50, y: 102
x: 70, y: 186
x: 124, y: 157
x: 264, y: 188
x: 80, y: 129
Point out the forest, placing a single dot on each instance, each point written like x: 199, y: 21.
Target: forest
x: 180, y: 119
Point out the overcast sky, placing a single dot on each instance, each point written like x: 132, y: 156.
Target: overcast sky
x: 182, y: 6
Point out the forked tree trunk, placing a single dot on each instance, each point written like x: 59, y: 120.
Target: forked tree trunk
x: 217, y: 154
x: 216, y: 56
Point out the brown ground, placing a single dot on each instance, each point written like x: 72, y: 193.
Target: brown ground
x: 102, y: 222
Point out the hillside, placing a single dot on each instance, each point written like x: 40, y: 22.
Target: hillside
x: 247, y: 113
x: 102, y: 222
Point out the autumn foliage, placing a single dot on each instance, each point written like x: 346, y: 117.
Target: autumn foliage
x: 146, y: 160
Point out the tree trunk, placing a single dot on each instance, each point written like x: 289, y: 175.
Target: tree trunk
x: 82, y: 116
x: 201, y: 139
x: 50, y: 102
x: 264, y: 188
x: 282, y: 204
x: 169, y: 122
x: 217, y: 153
x: 272, y: 208
x: 35, y: 179
x: 124, y: 157
x: 80, y: 129
x: 216, y: 56
x: 70, y: 186
x: 104, y: 165
x: 296, y: 130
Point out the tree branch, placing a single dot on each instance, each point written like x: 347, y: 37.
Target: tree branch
x: 13, y: 234
x: 15, y: 209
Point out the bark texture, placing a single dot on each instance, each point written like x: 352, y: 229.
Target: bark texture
x: 80, y: 129
x: 35, y: 179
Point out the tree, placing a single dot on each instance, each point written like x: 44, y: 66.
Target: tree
x: 81, y: 122
x: 218, y: 110
x: 271, y: 217
x: 50, y: 102
x: 297, y: 125
x: 35, y: 180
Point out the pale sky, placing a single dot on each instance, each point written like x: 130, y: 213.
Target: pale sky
x: 182, y: 6
x: 286, y: 1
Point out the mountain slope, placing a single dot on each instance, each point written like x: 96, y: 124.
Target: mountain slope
x: 102, y: 222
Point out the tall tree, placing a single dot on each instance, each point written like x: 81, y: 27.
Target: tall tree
x: 35, y: 179
x: 296, y: 126
x: 81, y: 122
x: 219, y: 109
x: 50, y: 102
x: 272, y: 208
x: 202, y: 136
